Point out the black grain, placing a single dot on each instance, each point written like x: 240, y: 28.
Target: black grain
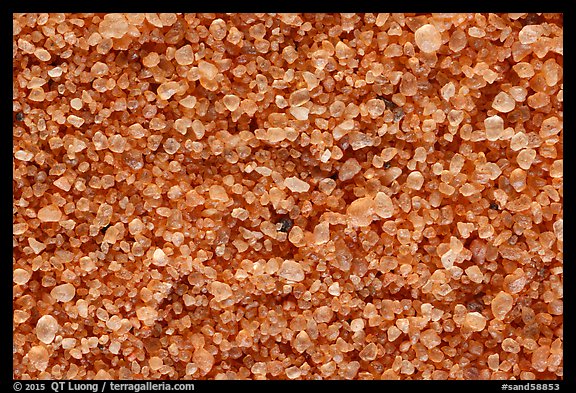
x: 287, y: 223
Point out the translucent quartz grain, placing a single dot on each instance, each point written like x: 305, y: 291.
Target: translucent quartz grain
x: 21, y: 276
x: 42, y: 54
x: 38, y: 357
x: 167, y: 90
x: 159, y: 257
x: 369, y: 352
x: 357, y: 325
x: 519, y: 141
x: 302, y: 341
x: 408, y: 85
x: 113, y: 26
x: 146, y: 314
x: 292, y: 271
x: 525, y: 158
x: 428, y: 38
x: 63, y: 293
x: 494, y: 361
x: 415, y: 180
x: 75, y: 121
x: 474, y: 274
x: 510, y: 345
x: 300, y: 113
x: 117, y: 143
x: 494, y: 127
x: 55, y: 72
x: 311, y: 80
x: 184, y: 55
x: 524, y: 69
x: 221, y: 291
x: 296, y: 185
x: 501, y: 305
x: 530, y: 34
x: 155, y: 363
x: 503, y: 102
x: 293, y: 372
x: 276, y: 134
x: 203, y: 359
x: 23, y: 155
x: 102, y: 375
x: 50, y: 213
x: 557, y: 169
x: 538, y: 100
x: 46, y: 328
x: 430, y: 338
x: 518, y: 179
x: 322, y: 233
x: 218, y: 29
x: 38, y: 94
x: 475, y: 321
x: 360, y: 212
x: 334, y: 289
x: 100, y: 141
x: 299, y: 97
x: 99, y: 69
x: 550, y: 126
x: 559, y: 229
x: 76, y: 103
x: 152, y: 59
x: 37, y: 247
x: 218, y: 193
x: 518, y: 93
x: 207, y: 70
x: 327, y: 186
x: 383, y: 206
x: 349, y: 169
x: 231, y: 102
x: 171, y: 145
x: 456, y: 163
